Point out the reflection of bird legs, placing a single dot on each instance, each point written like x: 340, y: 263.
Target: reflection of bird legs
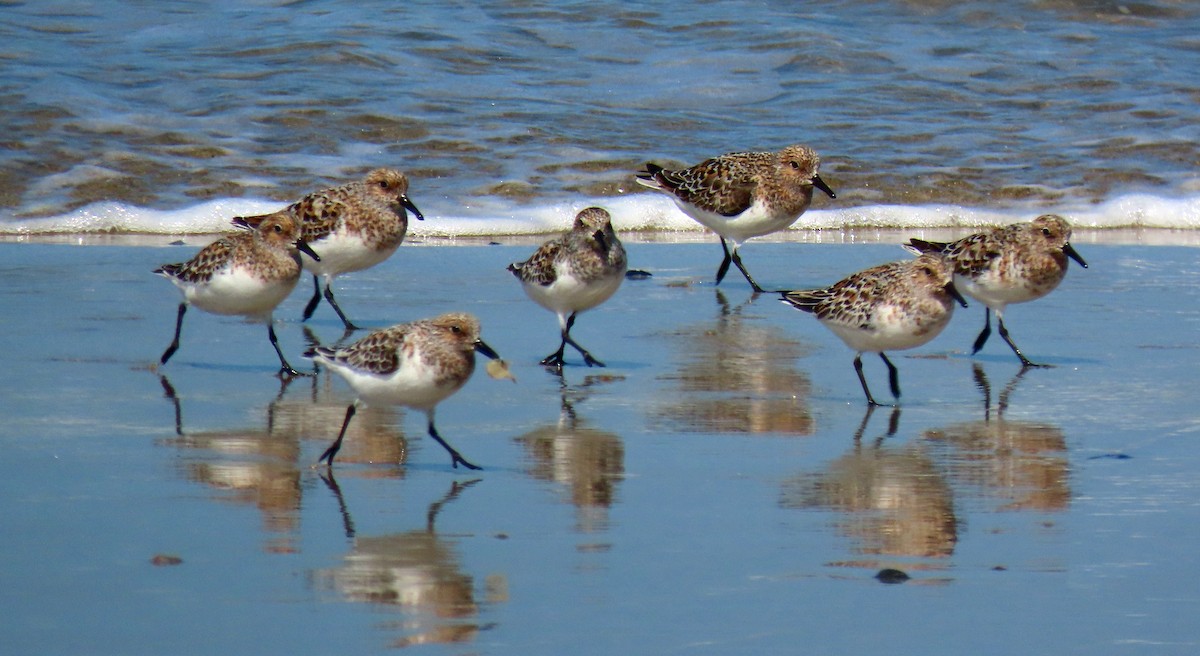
x: 723, y: 303
x: 332, y: 484
x: 569, y: 395
x: 284, y: 384
x: 456, y: 488
x: 311, y: 341
x: 727, y: 310
x: 169, y: 393
x: 283, y: 388
x: 893, y: 424
x: 981, y: 381
x: 567, y: 405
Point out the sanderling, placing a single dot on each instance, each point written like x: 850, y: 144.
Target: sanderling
x: 416, y: 365
x: 353, y: 227
x: 890, y: 307
x: 1011, y: 264
x: 575, y: 272
x: 742, y: 195
x: 247, y: 274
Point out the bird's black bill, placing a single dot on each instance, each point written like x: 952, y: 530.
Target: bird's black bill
x: 303, y: 247
x: 954, y: 293
x: 820, y: 184
x: 411, y: 207
x: 1073, y: 255
x: 484, y: 349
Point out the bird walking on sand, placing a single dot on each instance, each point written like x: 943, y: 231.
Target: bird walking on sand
x: 353, y: 227
x: 574, y: 272
x: 742, y: 195
x: 890, y: 307
x: 416, y: 365
x: 246, y: 273
x: 1011, y: 264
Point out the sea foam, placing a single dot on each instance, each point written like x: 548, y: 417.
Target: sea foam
x: 646, y: 213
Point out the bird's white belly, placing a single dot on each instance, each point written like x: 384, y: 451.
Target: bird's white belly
x: 568, y: 294
x: 237, y: 292
x: 755, y: 221
x: 411, y: 386
x: 996, y: 293
x: 343, y: 253
x: 891, y: 330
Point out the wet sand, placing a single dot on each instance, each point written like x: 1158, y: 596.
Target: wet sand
x: 719, y: 488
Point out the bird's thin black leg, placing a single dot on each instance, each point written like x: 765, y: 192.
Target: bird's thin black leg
x: 893, y: 375
x: 587, y: 357
x: 338, y: 309
x: 1004, y: 333
x: 555, y: 359
x: 455, y: 456
x: 314, y: 301
x: 858, y: 368
x: 737, y: 259
x: 285, y: 369
x: 724, y: 268
x: 175, y: 342
x: 985, y: 333
x: 327, y: 457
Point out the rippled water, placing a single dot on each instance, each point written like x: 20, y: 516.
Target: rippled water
x: 496, y: 105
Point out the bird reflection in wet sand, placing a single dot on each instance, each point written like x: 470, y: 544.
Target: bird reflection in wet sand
x: 891, y: 500
x: 586, y: 462
x: 375, y: 437
x: 1023, y: 464
x: 260, y: 465
x: 417, y: 572
x: 244, y: 274
x: 417, y: 365
x: 572, y: 273
x: 735, y: 374
x: 253, y: 466
x: 1017, y: 263
x: 890, y: 307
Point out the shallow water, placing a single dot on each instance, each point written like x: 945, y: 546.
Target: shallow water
x: 495, y: 107
x: 718, y: 488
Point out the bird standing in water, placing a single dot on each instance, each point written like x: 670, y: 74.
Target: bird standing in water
x: 574, y: 272
x: 1012, y: 264
x: 742, y: 195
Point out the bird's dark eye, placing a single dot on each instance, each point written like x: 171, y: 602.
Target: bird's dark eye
x: 456, y: 329
x: 1046, y: 232
x: 383, y: 184
x: 278, y: 228
x: 795, y: 165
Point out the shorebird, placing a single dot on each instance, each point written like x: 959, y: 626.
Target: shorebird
x: 742, y: 195
x: 1011, y: 264
x: 890, y: 307
x: 574, y: 272
x: 353, y: 227
x: 416, y: 365
x: 246, y: 273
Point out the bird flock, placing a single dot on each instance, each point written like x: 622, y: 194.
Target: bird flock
x: 893, y: 306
